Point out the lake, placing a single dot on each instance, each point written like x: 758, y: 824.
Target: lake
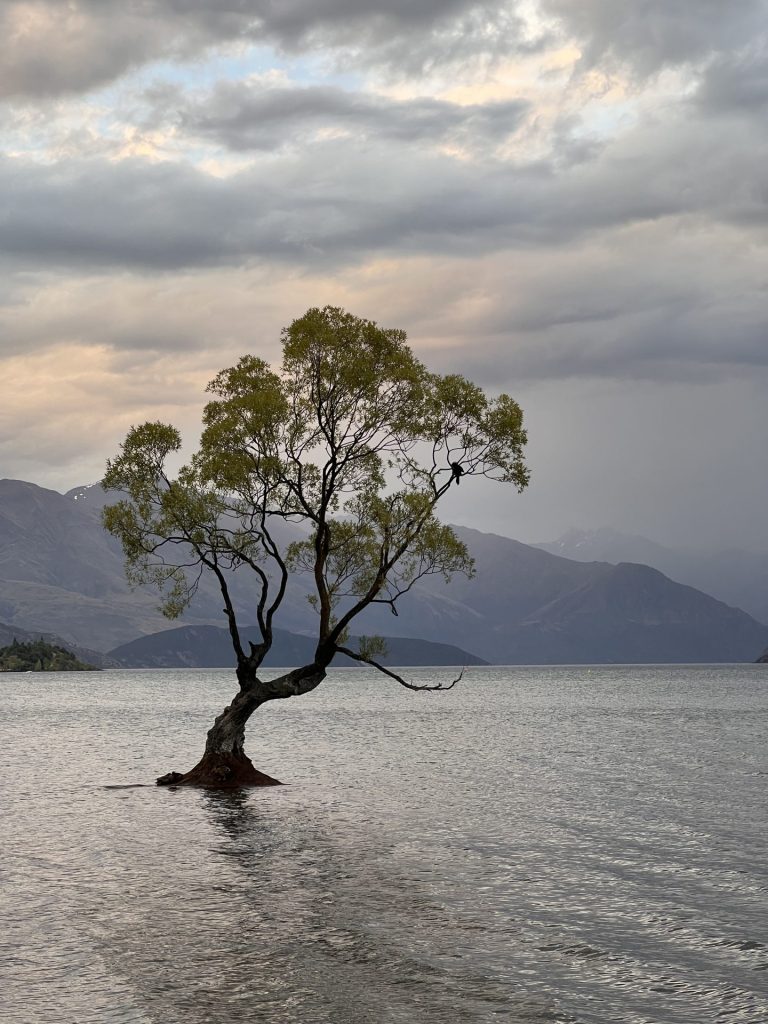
x: 536, y: 845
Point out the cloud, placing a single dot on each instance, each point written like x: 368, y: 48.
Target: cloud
x: 208, y: 315
x: 593, y: 242
x: 54, y: 47
x: 636, y: 303
x: 252, y: 115
x: 649, y: 35
x: 736, y: 84
x: 58, y: 47
x: 664, y: 458
x: 68, y: 407
x: 636, y: 356
x: 339, y: 200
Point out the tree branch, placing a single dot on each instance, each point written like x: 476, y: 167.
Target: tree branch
x: 393, y: 675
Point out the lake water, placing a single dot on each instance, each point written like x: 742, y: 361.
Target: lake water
x: 559, y: 844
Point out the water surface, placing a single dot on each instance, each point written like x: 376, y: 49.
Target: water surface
x: 559, y: 844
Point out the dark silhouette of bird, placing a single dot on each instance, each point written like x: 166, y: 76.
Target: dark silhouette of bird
x: 457, y: 471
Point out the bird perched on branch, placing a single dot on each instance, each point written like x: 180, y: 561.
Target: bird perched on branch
x: 457, y: 471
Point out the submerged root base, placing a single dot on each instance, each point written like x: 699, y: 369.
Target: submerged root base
x: 220, y: 771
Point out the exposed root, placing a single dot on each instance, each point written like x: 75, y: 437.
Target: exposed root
x: 220, y: 771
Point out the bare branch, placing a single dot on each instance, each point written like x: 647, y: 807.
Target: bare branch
x: 393, y: 675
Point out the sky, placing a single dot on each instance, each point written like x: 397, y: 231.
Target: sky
x: 565, y: 200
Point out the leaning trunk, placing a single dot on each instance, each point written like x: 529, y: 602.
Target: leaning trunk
x: 224, y: 764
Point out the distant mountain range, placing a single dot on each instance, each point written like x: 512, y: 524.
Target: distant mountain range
x: 61, y: 574
x: 527, y: 606
x: 740, y: 578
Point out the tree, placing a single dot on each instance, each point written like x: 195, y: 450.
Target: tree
x: 353, y: 439
x: 39, y: 656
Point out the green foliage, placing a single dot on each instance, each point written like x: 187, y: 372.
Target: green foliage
x: 370, y: 647
x: 352, y: 438
x: 39, y: 656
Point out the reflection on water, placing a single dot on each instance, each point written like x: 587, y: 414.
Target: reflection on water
x: 279, y: 921
x: 550, y: 845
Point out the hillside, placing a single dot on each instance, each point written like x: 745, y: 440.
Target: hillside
x: 740, y: 578
x: 39, y: 656
x: 60, y: 573
x: 8, y: 634
x: 210, y: 647
x: 634, y: 613
x: 527, y: 606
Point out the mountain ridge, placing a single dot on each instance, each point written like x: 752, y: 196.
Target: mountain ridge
x: 61, y: 573
x: 737, y: 577
x: 211, y: 647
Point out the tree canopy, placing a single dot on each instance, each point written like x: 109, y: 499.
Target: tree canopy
x: 39, y: 656
x: 351, y: 438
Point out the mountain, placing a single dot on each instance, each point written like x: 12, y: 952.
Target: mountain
x: 740, y: 578
x: 60, y: 573
x: 606, y: 545
x: 210, y: 647
x: 526, y: 606
x: 633, y: 613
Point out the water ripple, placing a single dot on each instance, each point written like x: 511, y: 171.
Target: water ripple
x: 559, y: 845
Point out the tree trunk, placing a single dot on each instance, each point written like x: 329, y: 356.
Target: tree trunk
x: 224, y: 764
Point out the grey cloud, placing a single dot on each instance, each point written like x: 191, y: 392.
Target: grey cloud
x: 93, y: 214
x: 648, y: 35
x: 56, y: 47
x: 654, y: 301
x: 334, y: 201
x: 329, y: 204
x: 249, y: 116
x: 63, y: 46
x: 689, y: 347
x: 665, y: 459
x: 656, y: 346
x: 60, y: 46
x: 736, y: 83
x: 681, y: 317
x: 294, y: 19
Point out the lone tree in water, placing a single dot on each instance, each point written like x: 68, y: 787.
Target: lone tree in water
x: 353, y: 439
